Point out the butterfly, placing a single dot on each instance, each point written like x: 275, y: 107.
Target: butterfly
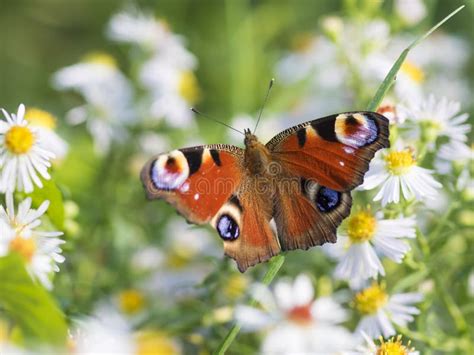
x: 290, y: 193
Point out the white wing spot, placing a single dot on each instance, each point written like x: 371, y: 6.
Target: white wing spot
x: 196, y: 197
x: 341, y: 163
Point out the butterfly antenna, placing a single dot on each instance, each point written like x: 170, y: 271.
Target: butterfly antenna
x: 213, y: 119
x: 264, y: 103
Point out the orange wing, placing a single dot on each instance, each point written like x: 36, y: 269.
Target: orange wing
x: 335, y: 150
x: 197, y: 181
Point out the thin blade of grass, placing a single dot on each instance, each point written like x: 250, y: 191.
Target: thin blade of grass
x: 390, y: 78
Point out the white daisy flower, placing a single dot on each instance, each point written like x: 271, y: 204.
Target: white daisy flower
x: 172, y: 90
x: 107, y: 331
x: 24, y: 157
x: 410, y: 11
x: 296, y: 322
x: 438, y: 118
x: 40, y: 249
x: 381, y: 311
x: 364, y: 240
x: 455, y: 159
x: 108, y: 97
x: 138, y: 28
x: 392, y: 346
x: 45, y: 124
x: 395, y: 170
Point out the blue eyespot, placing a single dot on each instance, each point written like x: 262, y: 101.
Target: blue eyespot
x: 227, y: 228
x: 326, y: 199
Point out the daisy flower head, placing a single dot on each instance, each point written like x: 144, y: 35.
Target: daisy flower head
x: 24, y: 157
x: 39, y: 249
x: 296, y: 322
x: 396, y: 169
x: 438, y: 118
x: 108, y: 98
x: 392, y: 346
x: 45, y: 124
x: 381, y: 311
x: 365, y: 238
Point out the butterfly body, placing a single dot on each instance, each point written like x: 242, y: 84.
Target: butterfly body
x: 290, y: 193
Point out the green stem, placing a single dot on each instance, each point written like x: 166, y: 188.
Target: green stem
x: 274, y: 266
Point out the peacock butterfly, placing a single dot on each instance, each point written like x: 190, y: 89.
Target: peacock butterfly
x: 291, y: 193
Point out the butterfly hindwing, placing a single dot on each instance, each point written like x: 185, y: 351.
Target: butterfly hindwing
x: 309, y: 215
x: 335, y: 150
x: 243, y: 223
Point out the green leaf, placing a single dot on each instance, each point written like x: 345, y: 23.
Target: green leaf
x: 50, y: 192
x: 29, y: 305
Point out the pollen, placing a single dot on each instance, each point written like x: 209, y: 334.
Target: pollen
x: 361, y: 227
x: 394, y: 346
x: 131, y: 301
x: 26, y: 247
x: 413, y: 71
x: 40, y: 118
x: 399, y: 163
x: 101, y: 58
x: 371, y: 299
x: 19, y: 139
x: 188, y: 87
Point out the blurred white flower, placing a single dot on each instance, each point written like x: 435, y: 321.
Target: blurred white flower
x: 392, y: 346
x: 183, y: 262
x: 23, y: 154
x: 105, y: 332
x: 437, y: 118
x: 45, y: 124
x: 137, y: 28
x: 411, y: 11
x: 173, y: 91
x: 397, y: 169
x: 40, y: 249
x: 380, y: 311
x: 153, y: 143
x: 297, y: 323
x: 366, y: 238
x: 454, y: 154
x: 108, y: 97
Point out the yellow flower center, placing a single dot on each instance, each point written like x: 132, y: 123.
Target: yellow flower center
x: 399, y: 163
x: 179, y: 257
x: 236, y: 286
x: 155, y: 343
x: 413, y: 71
x: 188, y: 87
x: 101, y: 58
x: 361, y: 227
x: 393, y: 347
x: 40, y: 118
x: 370, y: 300
x: 26, y: 247
x: 302, y: 43
x: 131, y: 301
x: 19, y: 139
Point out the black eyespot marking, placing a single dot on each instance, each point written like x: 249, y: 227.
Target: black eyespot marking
x: 227, y: 228
x: 326, y: 199
x: 194, y: 158
x: 171, y: 161
x: 236, y: 202
x: 301, y: 134
x: 350, y: 120
x: 215, y: 156
x: 326, y: 129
